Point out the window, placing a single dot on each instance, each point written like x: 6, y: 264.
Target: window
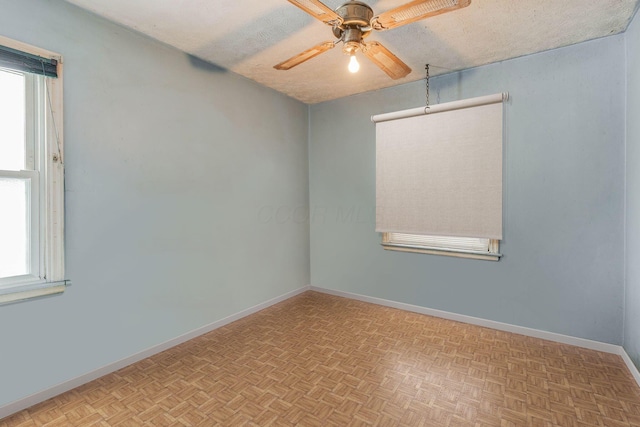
x: 31, y: 173
x: 439, y: 178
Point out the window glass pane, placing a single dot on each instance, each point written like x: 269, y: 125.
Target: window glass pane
x: 14, y: 227
x: 12, y: 121
x: 440, y: 242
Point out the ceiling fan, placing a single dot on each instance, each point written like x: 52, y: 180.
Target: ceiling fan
x: 354, y: 20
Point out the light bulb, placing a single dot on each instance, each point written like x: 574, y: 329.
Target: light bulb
x: 353, y: 64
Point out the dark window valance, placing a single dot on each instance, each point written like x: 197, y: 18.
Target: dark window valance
x: 22, y: 61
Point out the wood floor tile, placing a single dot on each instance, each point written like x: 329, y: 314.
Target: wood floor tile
x: 320, y: 360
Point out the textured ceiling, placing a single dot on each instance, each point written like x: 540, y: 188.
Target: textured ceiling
x: 249, y: 37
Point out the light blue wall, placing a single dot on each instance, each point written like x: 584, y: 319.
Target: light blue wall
x: 632, y: 295
x: 187, y: 187
x: 172, y: 170
x: 562, y: 269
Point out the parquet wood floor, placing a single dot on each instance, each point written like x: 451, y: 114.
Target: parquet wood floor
x: 320, y: 360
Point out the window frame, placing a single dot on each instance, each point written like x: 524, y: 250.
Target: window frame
x: 43, y: 102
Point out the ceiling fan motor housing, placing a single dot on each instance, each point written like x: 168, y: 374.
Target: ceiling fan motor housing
x: 355, y: 13
x: 355, y: 26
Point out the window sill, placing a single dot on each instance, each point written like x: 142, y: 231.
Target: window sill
x: 433, y: 251
x: 17, y: 293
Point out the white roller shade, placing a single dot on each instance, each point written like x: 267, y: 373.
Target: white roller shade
x: 441, y: 173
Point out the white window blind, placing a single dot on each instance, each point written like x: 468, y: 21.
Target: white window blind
x: 439, y: 173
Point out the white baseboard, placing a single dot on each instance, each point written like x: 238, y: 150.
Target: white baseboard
x: 630, y: 365
x: 41, y: 396
x: 536, y: 333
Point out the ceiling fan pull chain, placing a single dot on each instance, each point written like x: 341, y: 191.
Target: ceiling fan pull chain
x: 426, y: 67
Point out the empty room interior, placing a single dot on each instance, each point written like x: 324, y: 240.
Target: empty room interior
x: 218, y: 235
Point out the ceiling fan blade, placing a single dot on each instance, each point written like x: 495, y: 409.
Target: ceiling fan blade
x: 387, y: 61
x: 415, y: 11
x: 304, y: 56
x: 318, y: 10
